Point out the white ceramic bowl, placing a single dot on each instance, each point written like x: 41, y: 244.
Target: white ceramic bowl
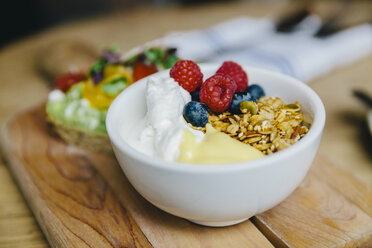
x: 218, y: 195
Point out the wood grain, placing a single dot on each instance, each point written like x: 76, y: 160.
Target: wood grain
x: 355, y: 190
x: 18, y: 228
x: 72, y: 202
x: 331, y: 208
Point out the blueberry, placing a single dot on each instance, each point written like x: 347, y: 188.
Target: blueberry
x: 196, y: 113
x: 239, y: 97
x: 256, y: 91
x: 195, y: 95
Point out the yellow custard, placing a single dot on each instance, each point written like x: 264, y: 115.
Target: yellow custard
x: 215, y: 148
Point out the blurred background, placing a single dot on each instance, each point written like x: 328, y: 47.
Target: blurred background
x: 23, y: 17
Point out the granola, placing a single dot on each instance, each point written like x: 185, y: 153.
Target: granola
x: 275, y: 126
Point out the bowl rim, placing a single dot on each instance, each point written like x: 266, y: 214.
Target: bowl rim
x: 315, y: 131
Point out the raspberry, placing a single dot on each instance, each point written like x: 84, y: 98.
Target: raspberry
x: 187, y: 74
x: 217, y: 92
x: 236, y: 72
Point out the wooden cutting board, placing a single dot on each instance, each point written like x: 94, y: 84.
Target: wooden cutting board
x: 82, y: 199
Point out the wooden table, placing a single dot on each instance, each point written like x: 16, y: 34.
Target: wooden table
x: 346, y: 140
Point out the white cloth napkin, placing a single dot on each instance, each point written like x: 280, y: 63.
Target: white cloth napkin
x: 255, y: 42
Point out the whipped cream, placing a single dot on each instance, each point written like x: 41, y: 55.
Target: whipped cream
x: 160, y: 132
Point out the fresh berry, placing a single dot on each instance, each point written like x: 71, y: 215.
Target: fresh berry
x: 237, y: 99
x: 217, y: 92
x: 65, y: 82
x: 141, y: 70
x: 196, y: 113
x: 256, y: 91
x: 195, y: 95
x: 236, y: 72
x: 187, y: 74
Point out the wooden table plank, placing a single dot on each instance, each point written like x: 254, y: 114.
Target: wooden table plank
x: 72, y: 202
x: 355, y: 191
x: 18, y: 227
x: 318, y: 214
